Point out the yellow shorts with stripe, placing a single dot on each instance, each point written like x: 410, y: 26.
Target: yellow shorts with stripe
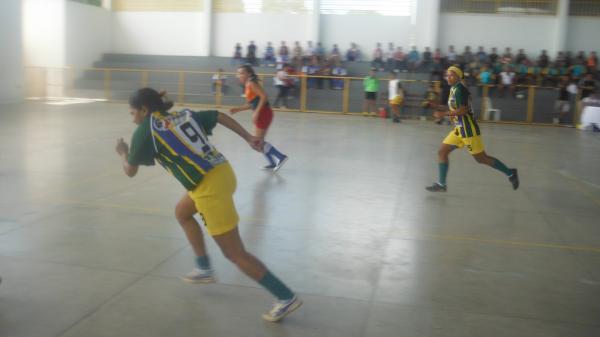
x: 397, y: 100
x: 473, y: 144
x: 214, y: 200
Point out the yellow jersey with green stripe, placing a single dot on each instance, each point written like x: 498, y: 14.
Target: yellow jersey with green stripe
x: 178, y: 141
x: 465, y: 125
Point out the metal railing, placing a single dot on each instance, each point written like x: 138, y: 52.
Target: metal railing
x: 529, y: 104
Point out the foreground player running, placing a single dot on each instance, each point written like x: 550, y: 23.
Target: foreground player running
x: 466, y: 133
x: 179, y: 142
x: 262, y: 116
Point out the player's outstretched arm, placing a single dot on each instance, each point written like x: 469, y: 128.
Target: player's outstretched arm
x: 231, y: 124
x: 239, y: 108
x: 123, y: 151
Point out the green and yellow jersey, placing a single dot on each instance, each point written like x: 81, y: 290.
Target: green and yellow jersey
x: 465, y: 125
x: 179, y: 142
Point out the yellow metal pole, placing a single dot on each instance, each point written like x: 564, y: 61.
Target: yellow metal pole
x: 181, y: 88
x: 144, y: 79
x: 346, y: 96
x: 107, y: 84
x: 303, y: 94
x: 218, y: 93
x: 530, y: 104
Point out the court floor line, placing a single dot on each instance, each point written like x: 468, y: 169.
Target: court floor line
x: 165, y: 212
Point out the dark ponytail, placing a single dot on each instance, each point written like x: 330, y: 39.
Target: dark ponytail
x: 151, y: 99
x: 248, y: 69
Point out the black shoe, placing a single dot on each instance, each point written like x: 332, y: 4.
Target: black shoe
x: 514, y: 179
x: 437, y: 187
x: 396, y: 120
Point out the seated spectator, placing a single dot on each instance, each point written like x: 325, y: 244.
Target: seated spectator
x: 414, y: 59
x: 580, y: 58
x: 451, y: 57
x: 552, y: 77
x: 325, y: 71
x: 568, y: 59
x: 587, y: 85
x: 371, y: 87
x: 399, y: 60
x: 320, y: 52
x: 338, y: 71
x: 522, y: 73
x: 481, y: 56
x: 283, y: 56
x: 427, y: 60
x: 353, y: 54
x: 236, y: 61
x: 592, y: 63
x: 283, y: 50
x: 437, y: 71
x: 507, y: 57
x: 389, y: 57
x: 218, y: 82
x: 437, y: 55
x: 377, y: 57
x: 251, y: 54
x: 467, y: 57
x: 269, y: 55
x: 312, y: 69
x: 486, y: 79
x: 577, y: 70
x: 543, y: 60
x: 335, y: 53
x: 560, y: 59
x: 493, y: 58
x: 506, y: 81
x: 309, y: 52
x: 297, y: 55
x: 521, y: 57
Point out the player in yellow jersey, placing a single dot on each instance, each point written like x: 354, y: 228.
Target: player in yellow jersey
x: 466, y: 133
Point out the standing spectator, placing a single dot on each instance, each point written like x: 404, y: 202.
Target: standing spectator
x: 282, y: 82
x: 562, y: 106
x: 218, y: 82
x: 493, y: 56
x: 482, y: 56
x: 251, y: 53
x: 451, y: 54
x: 413, y: 59
x: 592, y: 63
x: 236, y: 61
x: 427, y: 59
x: 371, y: 87
x: 587, y: 85
x: 338, y: 71
x: 395, y: 96
x: 377, y: 57
x: 543, y: 60
x: 506, y: 81
x: 269, y: 55
x: 353, y: 54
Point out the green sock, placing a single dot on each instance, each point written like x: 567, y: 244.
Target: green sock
x: 276, y: 287
x: 498, y: 165
x: 203, y: 262
x: 443, y: 172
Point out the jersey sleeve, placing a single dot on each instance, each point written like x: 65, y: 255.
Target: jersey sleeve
x: 141, y: 151
x: 207, y: 119
x: 461, y: 96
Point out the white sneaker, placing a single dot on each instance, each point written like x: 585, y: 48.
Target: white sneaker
x: 281, y: 309
x: 280, y: 164
x: 199, y: 276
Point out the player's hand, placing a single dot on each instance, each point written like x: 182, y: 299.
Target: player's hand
x: 256, y: 143
x: 122, y: 147
x: 234, y: 110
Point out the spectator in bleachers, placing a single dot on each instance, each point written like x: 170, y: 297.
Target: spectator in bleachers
x: 507, y: 57
x: 427, y: 60
x: 587, y: 85
x: 389, y: 57
x: 560, y: 59
x: 413, y: 59
x: 481, y: 56
x: 507, y: 77
x: 320, y: 51
x: 467, y: 57
x: 493, y: 58
x: 521, y: 56
x: 399, y: 60
x: 353, y: 54
x: 437, y: 55
x: 437, y: 70
x: 592, y: 63
x: 251, y: 54
x: 269, y: 55
x: 236, y: 61
x: 284, y: 50
x: 371, y: 87
x: 218, y: 82
x: 378, y: 57
x: 324, y: 71
x: 486, y: 79
x: 283, y: 83
x: 580, y: 58
x: 336, y: 55
x: 312, y: 69
x: 338, y: 71
x: 577, y: 70
x: 430, y: 102
x: 297, y: 55
x: 568, y: 59
x: 451, y: 57
x: 309, y: 52
x: 562, y: 106
x: 543, y: 60
x: 395, y: 97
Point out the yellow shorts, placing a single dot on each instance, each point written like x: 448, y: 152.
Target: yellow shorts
x: 474, y: 144
x: 396, y: 100
x: 214, y: 200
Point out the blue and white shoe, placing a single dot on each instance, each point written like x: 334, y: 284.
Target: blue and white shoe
x: 280, y: 164
x: 281, y: 309
x: 269, y: 167
x: 200, y: 276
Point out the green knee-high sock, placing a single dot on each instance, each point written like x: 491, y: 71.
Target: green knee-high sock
x: 275, y: 286
x: 443, y: 172
x: 498, y: 165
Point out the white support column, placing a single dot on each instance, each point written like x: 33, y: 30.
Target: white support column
x: 314, y: 23
x: 427, y: 24
x: 208, y: 28
x: 560, y: 34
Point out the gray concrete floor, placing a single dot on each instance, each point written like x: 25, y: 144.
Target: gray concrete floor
x: 86, y: 251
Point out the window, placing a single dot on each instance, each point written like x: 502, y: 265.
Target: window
x: 584, y: 8
x: 263, y: 6
x: 527, y: 7
x: 381, y: 7
x: 158, y: 5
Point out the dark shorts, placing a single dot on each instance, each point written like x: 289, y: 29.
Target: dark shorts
x: 370, y: 95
